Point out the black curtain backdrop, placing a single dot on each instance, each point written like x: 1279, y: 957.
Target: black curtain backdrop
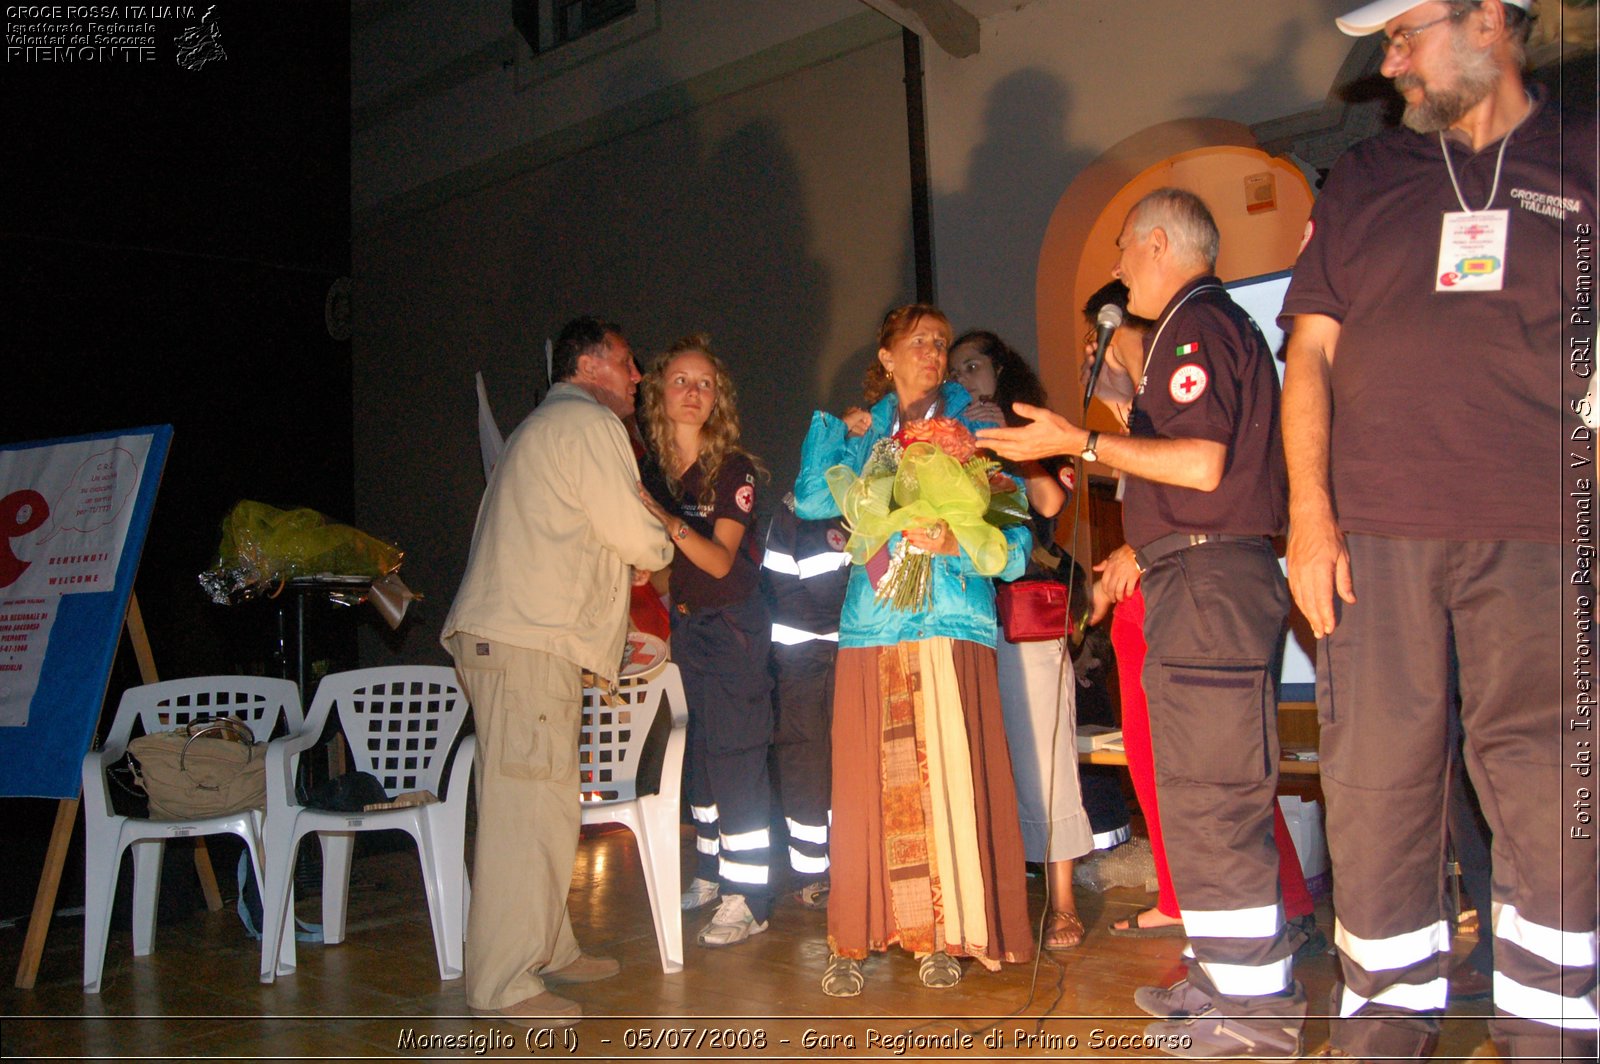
x: 169, y: 239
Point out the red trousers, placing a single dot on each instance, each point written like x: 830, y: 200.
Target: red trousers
x: 1127, y: 639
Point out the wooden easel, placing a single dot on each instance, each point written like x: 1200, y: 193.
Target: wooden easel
x: 55, y: 857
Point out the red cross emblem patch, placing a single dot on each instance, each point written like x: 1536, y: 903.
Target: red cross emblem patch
x: 1188, y: 383
x: 745, y: 497
x: 835, y: 540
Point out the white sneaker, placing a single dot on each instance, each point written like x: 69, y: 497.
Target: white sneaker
x: 700, y: 892
x: 731, y: 924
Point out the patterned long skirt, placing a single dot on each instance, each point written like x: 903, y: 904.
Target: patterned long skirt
x: 926, y: 850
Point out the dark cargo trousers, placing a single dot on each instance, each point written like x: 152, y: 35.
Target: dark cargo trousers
x: 1214, y: 619
x: 722, y: 655
x: 1384, y: 696
x: 804, y: 746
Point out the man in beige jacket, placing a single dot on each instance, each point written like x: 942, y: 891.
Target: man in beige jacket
x: 561, y: 536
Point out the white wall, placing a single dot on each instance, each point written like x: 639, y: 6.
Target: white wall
x: 765, y: 201
x: 1053, y: 85
x: 741, y: 167
x: 433, y: 94
x: 1057, y: 83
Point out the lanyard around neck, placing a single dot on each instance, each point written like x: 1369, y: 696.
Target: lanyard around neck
x: 1162, y: 327
x: 1499, y: 161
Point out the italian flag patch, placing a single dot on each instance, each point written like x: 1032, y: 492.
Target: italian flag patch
x: 1188, y: 349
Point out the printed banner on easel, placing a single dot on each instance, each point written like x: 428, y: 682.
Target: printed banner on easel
x: 73, y: 516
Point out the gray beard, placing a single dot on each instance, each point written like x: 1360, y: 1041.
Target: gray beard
x: 1476, y: 75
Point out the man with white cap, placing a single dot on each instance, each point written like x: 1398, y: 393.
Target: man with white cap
x: 1438, y: 474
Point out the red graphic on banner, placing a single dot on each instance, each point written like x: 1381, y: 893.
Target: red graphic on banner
x: 20, y: 513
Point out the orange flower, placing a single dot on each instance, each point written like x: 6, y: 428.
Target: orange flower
x: 945, y: 433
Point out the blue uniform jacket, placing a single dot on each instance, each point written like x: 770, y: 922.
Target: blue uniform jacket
x: 962, y: 603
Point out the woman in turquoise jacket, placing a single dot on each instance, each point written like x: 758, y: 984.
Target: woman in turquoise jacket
x: 926, y: 849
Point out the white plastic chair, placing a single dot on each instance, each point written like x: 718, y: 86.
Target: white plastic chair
x: 166, y: 706
x: 609, y: 750
x: 400, y: 722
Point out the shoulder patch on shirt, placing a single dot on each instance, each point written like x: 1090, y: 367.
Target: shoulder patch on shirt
x: 1311, y: 229
x: 1185, y: 350
x: 745, y: 497
x: 835, y: 540
x: 1068, y: 478
x: 1188, y: 382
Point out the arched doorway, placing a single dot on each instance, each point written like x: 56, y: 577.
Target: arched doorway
x: 1261, y: 205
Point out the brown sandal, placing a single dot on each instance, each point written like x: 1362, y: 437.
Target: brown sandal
x: 1063, y: 931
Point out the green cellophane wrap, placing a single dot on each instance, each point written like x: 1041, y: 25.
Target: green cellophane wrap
x: 928, y: 486
x: 262, y: 546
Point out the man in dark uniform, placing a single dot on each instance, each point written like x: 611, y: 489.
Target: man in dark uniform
x: 1442, y: 500
x: 1206, y: 489
x: 804, y: 571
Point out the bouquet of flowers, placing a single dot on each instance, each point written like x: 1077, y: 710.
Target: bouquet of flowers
x: 927, y: 472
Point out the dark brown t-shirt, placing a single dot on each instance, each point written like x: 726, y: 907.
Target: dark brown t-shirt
x: 1209, y: 376
x: 1452, y: 410
x: 735, y: 499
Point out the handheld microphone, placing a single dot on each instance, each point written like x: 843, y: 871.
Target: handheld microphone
x: 1106, y: 323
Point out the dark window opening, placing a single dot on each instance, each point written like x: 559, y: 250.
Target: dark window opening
x: 548, y: 24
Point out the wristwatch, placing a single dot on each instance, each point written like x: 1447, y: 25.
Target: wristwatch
x: 1089, y: 453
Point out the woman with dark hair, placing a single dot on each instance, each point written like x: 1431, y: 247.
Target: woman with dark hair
x: 701, y: 484
x: 1038, y: 691
x: 926, y: 852
x: 997, y: 376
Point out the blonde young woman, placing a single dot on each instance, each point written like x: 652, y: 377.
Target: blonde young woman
x: 925, y: 847
x: 701, y: 484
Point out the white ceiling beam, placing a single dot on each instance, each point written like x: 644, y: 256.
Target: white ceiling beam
x: 950, y: 24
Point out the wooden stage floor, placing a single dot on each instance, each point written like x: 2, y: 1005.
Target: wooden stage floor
x: 377, y: 995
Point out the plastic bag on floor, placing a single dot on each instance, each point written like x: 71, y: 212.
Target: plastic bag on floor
x: 1129, y: 865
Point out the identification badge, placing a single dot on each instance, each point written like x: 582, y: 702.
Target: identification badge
x: 1472, y: 251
